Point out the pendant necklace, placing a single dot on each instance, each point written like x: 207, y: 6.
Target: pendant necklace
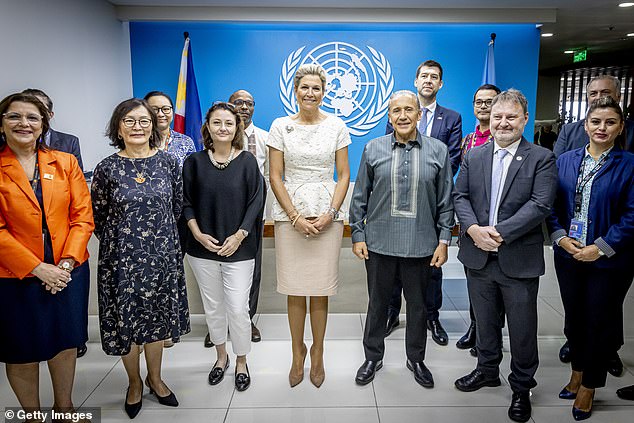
x: 140, y: 176
x: 226, y: 163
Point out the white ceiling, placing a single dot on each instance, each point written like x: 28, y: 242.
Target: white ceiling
x: 599, y: 25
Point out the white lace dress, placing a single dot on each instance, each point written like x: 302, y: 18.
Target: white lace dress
x: 308, y: 266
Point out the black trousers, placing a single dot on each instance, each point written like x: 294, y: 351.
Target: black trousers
x: 490, y: 289
x: 382, y: 271
x: 254, y: 294
x: 593, y: 301
x: 433, y: 300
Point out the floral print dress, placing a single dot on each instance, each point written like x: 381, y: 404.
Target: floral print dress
x: 140, y: 277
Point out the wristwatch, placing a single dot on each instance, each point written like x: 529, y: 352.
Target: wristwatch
x: 66, y: 266
x: 244, y: 233
x: 334, y: 213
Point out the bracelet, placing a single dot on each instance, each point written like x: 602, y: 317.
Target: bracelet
x: 293, y: 214
x: 296, y: 219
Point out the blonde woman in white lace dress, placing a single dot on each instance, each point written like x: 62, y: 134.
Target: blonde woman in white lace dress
x: 304, y: 150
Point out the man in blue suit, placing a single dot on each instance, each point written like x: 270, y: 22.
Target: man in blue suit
x: 444, y: 125
x: 503, y: 193
x: 68, y: 144
x: 573, y: 135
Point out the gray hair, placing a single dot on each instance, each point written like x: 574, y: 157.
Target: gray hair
x: 310, y: 69
x: 404, y: 93
x: 616, y: 81
x: 511, y: 96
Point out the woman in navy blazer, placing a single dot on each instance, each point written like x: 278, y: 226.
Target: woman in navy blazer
x: 592, y: 226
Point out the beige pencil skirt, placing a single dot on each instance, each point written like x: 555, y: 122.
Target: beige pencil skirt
x: 307, y: 266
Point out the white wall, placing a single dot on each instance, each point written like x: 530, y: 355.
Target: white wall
x: 78, y: 52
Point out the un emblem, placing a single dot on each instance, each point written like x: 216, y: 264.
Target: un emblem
x: 358, y: 87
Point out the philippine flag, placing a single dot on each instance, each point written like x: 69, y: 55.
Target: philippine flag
x: 188, y: 118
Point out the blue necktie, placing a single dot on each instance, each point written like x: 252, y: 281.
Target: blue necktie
x: 422, y: 125
x: 496, y: 179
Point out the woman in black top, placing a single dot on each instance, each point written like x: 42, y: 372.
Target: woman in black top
x: 223, y: 195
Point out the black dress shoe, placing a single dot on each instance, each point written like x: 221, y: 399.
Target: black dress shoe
x: 81, y: 351
x: 626, y: 393
x: 217, y: 373
x: 520, y: 409
x: 473, y: 351
x: 615, y: 366
x: 438, y: 333
x: 392, y: 323
x: 366, y: 372
x: 476, y: 380
x: 468, y: 340
x: 422, y: 375
x: 132, y: 409
x: 208, y: 343
x: 256, y: 336
x: 564, y: 353
x: 168, y: 400
x: 243, y: 380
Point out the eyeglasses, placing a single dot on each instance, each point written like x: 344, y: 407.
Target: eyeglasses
x: 165, y: 109
x: 16, y: 118
x: 479, y: 103
x: 143, y: 122
x: 240, y: 103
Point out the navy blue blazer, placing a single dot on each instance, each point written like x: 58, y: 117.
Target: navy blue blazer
x: 447, y: 127
x: 67, y: 143
x: 527, y: 198
x: 611, y: 211
x: 573, y: 136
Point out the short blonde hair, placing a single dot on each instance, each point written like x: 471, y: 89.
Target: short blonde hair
x: 312, y: 69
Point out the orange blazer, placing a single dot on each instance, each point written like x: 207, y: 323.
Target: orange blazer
x: 66, y: 205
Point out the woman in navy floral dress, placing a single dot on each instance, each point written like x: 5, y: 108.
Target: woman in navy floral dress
x: 137, y: 199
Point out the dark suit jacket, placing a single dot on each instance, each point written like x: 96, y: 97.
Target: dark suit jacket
x: 447, y: 127
x: 527, y: 197
x: 67, y: 143
x: 611, y: 209
x: 573, y: 135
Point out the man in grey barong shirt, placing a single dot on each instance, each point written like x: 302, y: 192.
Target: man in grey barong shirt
x: 401, y: 202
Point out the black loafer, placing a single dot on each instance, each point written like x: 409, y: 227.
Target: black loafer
x: 422, y: 375
x: 564, y: 353
x: 81, y: 351
x: 438, y: 333
x: 208, y: 343
x: 615, y: 366
x: 168, y: 400
x: 392, y: 323
x: 256, y: 336
x: 520, y: 409
x: 366, y: 372
x: 217, y: 373
x: 626, y: 393
x: 468, y: 340
x: 132, y: 409
x: 476, y: 380
x: 243, y: 380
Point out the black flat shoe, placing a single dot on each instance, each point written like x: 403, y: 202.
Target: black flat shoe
x: 438, y: 333
x: 392, y: 323
x: 626, y: 393
x: 132, y: 409
x: 168, y: 400
x: 476, y: 380
x: 422, y: 375
x: 81, y: 351
x: 615, y: 366
x: 217, y: 373
x: 243, y: 380
x: 520, y: 409
x: 567, y: 395
x: 366, y: 372
x: 208, y: 343
x: 468, y: 340
x: 564, y: 353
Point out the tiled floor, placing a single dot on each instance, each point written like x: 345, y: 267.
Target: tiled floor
x: 392, y: 397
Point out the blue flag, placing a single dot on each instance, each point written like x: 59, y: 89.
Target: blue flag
x: 488, y: 75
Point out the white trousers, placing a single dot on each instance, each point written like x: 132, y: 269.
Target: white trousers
x: 224, y: 289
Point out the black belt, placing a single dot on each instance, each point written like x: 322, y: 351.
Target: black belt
x: 493, y: 255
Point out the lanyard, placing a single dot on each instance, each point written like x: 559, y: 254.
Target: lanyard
x: 583, y: 181
x: 36, y: 174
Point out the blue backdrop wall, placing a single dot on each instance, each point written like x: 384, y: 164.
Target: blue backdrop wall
x: 365, y: 62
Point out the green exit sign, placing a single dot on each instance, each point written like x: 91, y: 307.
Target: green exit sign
x: 580, y: 56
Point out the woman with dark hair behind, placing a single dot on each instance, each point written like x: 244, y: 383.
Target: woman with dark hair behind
x: 137, y: 199
x: 45, y: 224
x: 592, y: 226
x: 223, y: 190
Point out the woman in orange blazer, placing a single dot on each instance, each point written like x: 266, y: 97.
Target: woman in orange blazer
x: 45, y: 223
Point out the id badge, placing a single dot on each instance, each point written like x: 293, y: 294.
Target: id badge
x: 576, y: 229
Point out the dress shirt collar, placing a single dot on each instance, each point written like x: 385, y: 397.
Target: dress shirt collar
x: 431, y: 108
x: 249, y: 130
x: 511, y: 148
x: 587, y: 154
x: 410, y: 144
x: 484, y: 134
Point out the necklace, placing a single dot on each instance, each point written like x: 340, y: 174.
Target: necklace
x: 226, y: 163
x: 140, y: 176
